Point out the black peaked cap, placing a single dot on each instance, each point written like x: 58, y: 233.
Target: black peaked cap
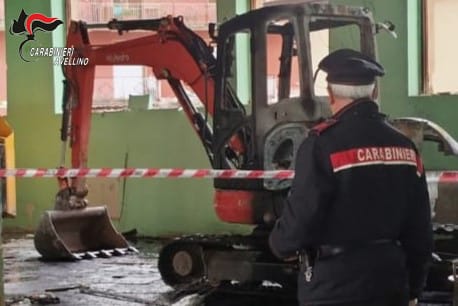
x: 350, y: 67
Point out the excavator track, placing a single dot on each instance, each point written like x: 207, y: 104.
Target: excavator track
x: 217, y: 259
x: 229, y: 269
x: 211, y: 261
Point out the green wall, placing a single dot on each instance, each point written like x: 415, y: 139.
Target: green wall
x: 31, y: 114
x: 159, y: 138
x: 400, y: 59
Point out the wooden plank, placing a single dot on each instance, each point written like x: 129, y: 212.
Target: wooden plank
x: 106, y: 192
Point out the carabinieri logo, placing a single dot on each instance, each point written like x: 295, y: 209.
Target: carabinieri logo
x: 28, y: 25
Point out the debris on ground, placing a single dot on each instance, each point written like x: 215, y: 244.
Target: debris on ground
x: 115, y: 296
x: 66, y: 288
x: 36, y: 299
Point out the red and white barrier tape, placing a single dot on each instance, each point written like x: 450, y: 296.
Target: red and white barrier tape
x: 432, y: 176
x: 148, y: 173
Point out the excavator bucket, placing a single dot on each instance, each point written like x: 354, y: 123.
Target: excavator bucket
x: 79, y: 234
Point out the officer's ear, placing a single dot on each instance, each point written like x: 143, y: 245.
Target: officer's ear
x: 331, y: 95
x: 375, y: 92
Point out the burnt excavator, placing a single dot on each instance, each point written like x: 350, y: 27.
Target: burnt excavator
x: 261, y: 132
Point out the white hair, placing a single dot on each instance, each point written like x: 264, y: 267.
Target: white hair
x: 352, y: 91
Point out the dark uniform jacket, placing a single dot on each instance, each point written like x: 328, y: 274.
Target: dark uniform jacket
x: 358, y: 180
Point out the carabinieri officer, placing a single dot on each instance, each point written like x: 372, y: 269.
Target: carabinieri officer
x: 358, y: 212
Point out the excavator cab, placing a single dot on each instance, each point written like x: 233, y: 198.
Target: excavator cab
x: 284, y: 95
x: 279, y: 98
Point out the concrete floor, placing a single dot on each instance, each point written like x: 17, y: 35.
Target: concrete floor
x: 125, y: 280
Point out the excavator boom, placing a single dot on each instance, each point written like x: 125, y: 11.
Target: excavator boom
x: 175, y: 54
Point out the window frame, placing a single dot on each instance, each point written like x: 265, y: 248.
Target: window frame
x: 427, y: 83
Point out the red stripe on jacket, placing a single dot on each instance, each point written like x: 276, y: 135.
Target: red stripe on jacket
x: 367, y: 156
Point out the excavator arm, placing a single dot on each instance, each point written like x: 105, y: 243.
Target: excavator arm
x: 174, y: 52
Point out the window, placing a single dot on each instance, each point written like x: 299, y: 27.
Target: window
x: 2, y: 60
x: 439, y: 47
x: 324, y: 41
x: 319, y: 41
x: 237, y: 69
x: 283, y: 77
x: 116, y: 87
x: 272, y: 90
